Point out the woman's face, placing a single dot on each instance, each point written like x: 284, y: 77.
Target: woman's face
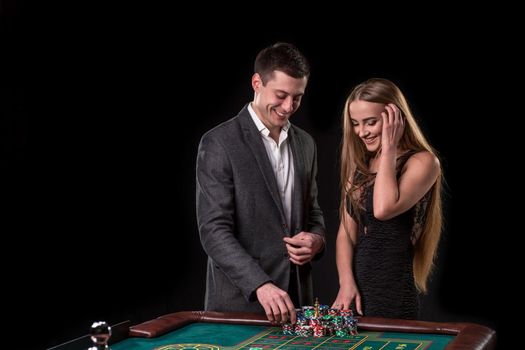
x: 367, y: 122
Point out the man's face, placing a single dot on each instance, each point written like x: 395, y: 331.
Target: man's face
x: 276, y: 101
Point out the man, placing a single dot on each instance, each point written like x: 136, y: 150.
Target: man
x: 257, y: 211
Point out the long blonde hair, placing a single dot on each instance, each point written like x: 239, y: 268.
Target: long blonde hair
x: 355, y: 173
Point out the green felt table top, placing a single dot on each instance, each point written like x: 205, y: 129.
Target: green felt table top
x: 208, y: 336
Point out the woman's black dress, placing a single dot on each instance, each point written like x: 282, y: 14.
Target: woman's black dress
x: 383, y: 258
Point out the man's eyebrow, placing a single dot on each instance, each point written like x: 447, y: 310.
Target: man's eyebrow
x: 287, y: 93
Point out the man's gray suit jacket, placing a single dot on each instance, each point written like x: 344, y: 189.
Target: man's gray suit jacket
x: 240, y: 215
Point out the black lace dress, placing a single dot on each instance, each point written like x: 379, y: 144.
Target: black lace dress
x: 383, y: 257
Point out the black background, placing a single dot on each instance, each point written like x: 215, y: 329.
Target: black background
x: 103, y: 109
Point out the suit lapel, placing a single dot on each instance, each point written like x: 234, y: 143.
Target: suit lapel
x: 254, y: 141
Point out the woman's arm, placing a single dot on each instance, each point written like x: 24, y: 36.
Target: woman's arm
x: 346, y: 240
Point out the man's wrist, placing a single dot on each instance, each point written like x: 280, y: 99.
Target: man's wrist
x: 321, y: 238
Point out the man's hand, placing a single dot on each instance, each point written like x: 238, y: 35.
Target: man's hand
x: 276, y: 303
x: 303, y: 247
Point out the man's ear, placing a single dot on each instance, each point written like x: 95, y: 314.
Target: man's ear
x: 256, y: 82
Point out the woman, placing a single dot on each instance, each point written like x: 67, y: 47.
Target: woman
x: 390, y: 204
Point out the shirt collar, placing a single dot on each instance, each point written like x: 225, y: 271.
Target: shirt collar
x: 260, y: 126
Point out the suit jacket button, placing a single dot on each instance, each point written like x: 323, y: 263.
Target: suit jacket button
x: 286, y: 255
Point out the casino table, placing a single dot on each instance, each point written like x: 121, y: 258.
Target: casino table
x: 206, y: 330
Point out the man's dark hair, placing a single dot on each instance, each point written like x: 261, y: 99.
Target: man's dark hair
x: 283, y: 57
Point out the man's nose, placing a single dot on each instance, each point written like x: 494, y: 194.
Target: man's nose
x: 288, y: 104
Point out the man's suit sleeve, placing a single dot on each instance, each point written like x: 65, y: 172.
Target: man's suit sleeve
x: 216, y: 218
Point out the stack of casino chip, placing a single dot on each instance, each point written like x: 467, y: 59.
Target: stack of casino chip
x: 349, y: 321
x: 323, y: 310
x: 319, y: 331
x: 308, y: 312
x: 304, y: 331
x: 326, y: 322
x: 322, y: 321
x: 288, y: 329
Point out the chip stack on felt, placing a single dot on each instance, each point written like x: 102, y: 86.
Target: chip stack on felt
x: 320, y: 321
